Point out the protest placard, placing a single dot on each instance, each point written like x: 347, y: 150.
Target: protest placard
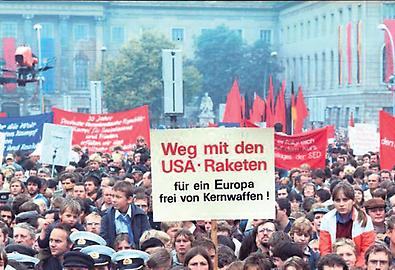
x: 23, y: 133
x: 221, y: 173
x: 363, y: 138
x: 308, y: 147
x: 387, y: 140
x: 101, y: 132
x: 57, y: 141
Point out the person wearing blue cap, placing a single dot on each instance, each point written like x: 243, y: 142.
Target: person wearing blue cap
x: 318, y: 213
x: 101, y: 256
x: 130, y: 259
x: 81, y: 239
x: 28, y: 261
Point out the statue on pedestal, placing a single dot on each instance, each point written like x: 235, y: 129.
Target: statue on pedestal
x: 206, y: 115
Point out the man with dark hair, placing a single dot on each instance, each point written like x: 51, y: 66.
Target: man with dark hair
x: 59, y: 244
x: 283, y: 191
x: 34, y: 184
x: 92, y: 184
x: 331, y: 261
x: 6, y: 214
x: 284, y: 250
x: 257, y: 261
x: 283, y: 210
x: 378, y: 257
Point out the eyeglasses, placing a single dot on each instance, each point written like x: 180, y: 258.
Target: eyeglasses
x: 268, y: 230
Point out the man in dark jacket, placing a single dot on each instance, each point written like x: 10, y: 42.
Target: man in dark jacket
x: 124, y: 217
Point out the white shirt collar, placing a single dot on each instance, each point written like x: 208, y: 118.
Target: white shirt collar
x: 129, y: 212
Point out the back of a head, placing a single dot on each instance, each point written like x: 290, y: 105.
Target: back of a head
x: 225, y: 256
x: 258, y: 261
x: 285, y: 250
x: 331, y: 260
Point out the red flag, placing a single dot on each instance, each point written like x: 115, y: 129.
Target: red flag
x: 351, y: 121
x: 387, y: 140
x: 301, y: 111
x: 258, y: 110
x: 9, y: 57
x: 389, y: 69
x: 243, y: 107
x: 233, y: 109
x: 279, y: 116
x: 270, y: 105
x: 349, y: 53
x: 293, y: 109
x: 3, y: 114
x: 212, y: 125
x: 247, y: 123
x: 331, y: 131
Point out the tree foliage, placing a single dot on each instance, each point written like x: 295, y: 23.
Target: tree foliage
x: 134, y: 77
x: 221, y: 56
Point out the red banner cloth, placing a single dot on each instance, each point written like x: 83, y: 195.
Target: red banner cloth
x: 301, y: 111
x: 3, y: 114
x: 279, y: 116
x: 9, y: 48
x: 389, y: 69
x: 387, y: 140
x: 101, y: 132
x: 291, y: 151
x: 233, y: 107
x: 258, y: 110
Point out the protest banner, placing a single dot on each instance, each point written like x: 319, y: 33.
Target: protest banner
x: 363, y: 138
x: 57, y: 141
x: 291, y: 151
x: 221, y: 173
x: 2, y: 144
x: 387, y: 140
x: 23, y: 133
x: 101, y: 132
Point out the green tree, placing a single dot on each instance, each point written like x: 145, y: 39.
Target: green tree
x: 217, y: 56
x: 134, y: 77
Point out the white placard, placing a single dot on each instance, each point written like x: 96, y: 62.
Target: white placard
x: 364, y: 138
x: 56, y: 144
x: 216, y: 173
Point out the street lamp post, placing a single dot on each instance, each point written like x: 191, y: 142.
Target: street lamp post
x: 391, y: 81
x: 38, y: 28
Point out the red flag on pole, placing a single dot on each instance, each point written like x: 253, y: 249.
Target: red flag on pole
x: 270, y: 105
x: 243, y: 107
x: 349, y: 52
x: 258, y: 110
x: 280, y: 116
x: 233, y: 109
x: 293, y: 109
x: 301, y: 111
x: 387, y: 140
x: 9, y: 48
x: 351, y: 121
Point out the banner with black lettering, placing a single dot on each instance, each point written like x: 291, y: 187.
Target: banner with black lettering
x: 387, y: 140
x: 220, y: 173
x: 23, y: 133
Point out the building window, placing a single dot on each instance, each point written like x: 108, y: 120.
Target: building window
x: 316, y: 70
x: 316, y: 27
x: 301, y: 68
x: 323, y: 69
x: 340, y: 16
x: 295, y: 33
x: 332, y: 22
x: 81, y: 73
x: 302, y: 31
x: 47, y: 30
x: 288, y: 70
x: 282, y: 36
x: 332, y: 70
x: 8, y: 29
x: 383, y: 64
x: 295, y: 77
x: 324, y: 25
x: 359, y: 11
x: 239, y: 33
x: 346, y: 117
x: 177, y: 34
x: 83, y: 110
x: 80, y: 32
x: 308, y: 29
x: 356, y: 115
x: 288, y: 38
x: 308, y: 71
x: 337, y: 116
x: 349, y: 14
x: 266, y: 36
x: 117, y: 34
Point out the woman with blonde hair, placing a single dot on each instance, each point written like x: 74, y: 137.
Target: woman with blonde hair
x: 345, y: 248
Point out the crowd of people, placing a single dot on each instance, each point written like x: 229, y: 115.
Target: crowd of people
x: 96, y: 213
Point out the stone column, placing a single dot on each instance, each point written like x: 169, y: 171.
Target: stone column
x: 99, y: 40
